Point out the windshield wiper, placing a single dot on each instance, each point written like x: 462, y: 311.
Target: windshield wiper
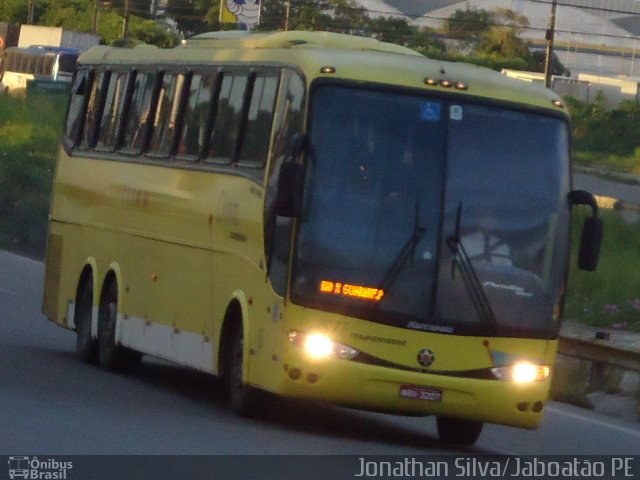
x: 469, y: 276
x: 408, y: 251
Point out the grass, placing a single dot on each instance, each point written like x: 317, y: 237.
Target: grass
x: 610, y: 296
x: 29, y: 138
x: 609, y: 162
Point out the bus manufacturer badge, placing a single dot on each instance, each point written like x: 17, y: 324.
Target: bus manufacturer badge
x: 426, y: 357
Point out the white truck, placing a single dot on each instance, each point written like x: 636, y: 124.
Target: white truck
x: 56, y: 37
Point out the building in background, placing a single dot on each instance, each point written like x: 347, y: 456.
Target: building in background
x: 594, y: 37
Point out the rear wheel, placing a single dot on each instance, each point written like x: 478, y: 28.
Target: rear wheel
x: 113, y: 358
x: 459, y: 430
x: 86, y: 347
x: 244, y: 399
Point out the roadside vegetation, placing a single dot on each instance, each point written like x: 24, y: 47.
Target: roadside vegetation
x: 606, y: 139
x: 610, y: 296
x: 78, y: 15
x: 29, y: 139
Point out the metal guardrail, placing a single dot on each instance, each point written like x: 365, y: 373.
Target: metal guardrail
x: 603, y: 348
x: 601, y: 352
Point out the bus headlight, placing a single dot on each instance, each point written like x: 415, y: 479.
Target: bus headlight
x: 523, y: 372
x: 319, y: 345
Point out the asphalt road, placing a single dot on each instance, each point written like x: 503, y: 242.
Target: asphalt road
x: 51, y: 403
x: 620, y: 191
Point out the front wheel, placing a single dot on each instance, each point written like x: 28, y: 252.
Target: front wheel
x: 458, y: 430
x: 244, y: 399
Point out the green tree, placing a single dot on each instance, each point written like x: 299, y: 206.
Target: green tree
x: 272, y: 15
x: 13, y: 11
x: 600, y: 129
x: 193, y: 16
x: 393, y: 30
x: 309, y: 15
x: 503, y: 42
x: 348, y: 17
x: 72, y: 15
x: 470, y: 23
x: 77, y: 15
x: 536, y: 63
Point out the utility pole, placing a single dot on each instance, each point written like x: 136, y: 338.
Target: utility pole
x: 125, y: 22
x: 94, y: 20
x: 287, y: 6
x: 30, y: 13
x: 549, y: 37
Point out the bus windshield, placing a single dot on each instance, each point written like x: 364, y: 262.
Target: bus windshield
x: 393, y: 178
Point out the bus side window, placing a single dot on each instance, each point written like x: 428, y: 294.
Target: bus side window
x: 77, y: 106
x: 166, y: 116
x: 30, y: 64
x: 259, y: 121
x: 94, y: 106
x: 112, y: 112
x: 228, y: 118
x: 139, y: 113
x: 277, y: 230
x: 201, y: 95
x: 18, y: 60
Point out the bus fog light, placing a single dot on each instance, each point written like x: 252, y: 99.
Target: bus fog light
x: 523, y: 372
x: 319, y: 345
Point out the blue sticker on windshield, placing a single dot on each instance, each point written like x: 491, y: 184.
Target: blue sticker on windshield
x: 430, y: 111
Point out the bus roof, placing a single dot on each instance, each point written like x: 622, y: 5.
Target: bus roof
x: 294, y: 39
x: 350, y: 58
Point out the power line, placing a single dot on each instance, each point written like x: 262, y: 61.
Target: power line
x: 416, y: 16
x: 340, y: 24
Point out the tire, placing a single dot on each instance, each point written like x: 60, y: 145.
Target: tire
x: 458, y: 430
x: 86, y: 347
x: 245, y: 400
x: 112, y: 357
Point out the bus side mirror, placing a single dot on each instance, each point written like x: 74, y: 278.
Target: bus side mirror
x: 290, y: 181
x: 590, y: 244
x: 592, y: 231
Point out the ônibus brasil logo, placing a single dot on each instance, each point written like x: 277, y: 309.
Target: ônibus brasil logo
x: 33, y: 468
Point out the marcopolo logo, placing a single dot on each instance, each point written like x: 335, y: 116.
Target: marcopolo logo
x: 34, y: 468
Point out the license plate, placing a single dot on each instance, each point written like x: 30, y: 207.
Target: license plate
x: 421, y: 393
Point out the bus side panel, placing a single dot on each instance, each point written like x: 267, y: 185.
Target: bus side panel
x: 53, y: 266
x: 69, y: 250
x: 184, y: 242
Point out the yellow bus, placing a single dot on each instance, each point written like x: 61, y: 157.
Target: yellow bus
x: 318, y: 216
